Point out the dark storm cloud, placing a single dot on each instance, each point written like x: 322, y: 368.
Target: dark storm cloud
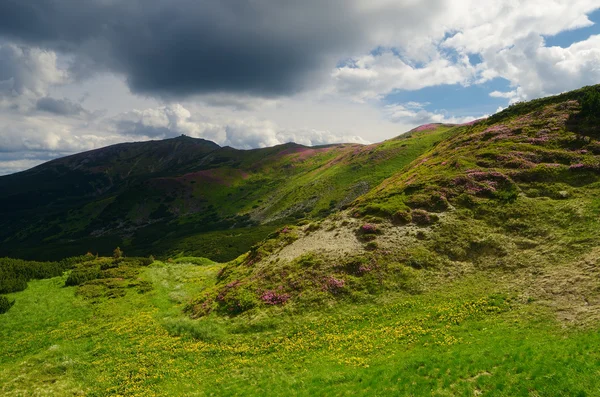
x: 63, y: 107
x: 182, y: 47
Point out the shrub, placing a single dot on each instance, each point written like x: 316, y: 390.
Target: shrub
x: 117, y: 253
x: 235, y: 298
x: 8, y: 285
x: 15, y: 273
x: 371, y: 246
x: 402, y: 217
x: 435, y: 202
x: 334, y: 285
x: 590, y: 105
x: 424, y: 218
x: 275, y: 297
x: 82, y: 275
x: 5, y: 304
x: 422, y: 258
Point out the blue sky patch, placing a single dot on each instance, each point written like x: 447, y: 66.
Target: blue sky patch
x: 474, y: 100
x: 568, y: 37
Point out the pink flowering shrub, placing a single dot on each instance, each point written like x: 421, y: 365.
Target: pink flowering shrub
x: 368, y: 228
x: 275, y: 297
x: 423, y: 218
x: 426, y: 127
x: 334, y: 285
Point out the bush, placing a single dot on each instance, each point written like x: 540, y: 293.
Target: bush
x: 434, y: 202
x: 8, y: 285
x: 5, y: 304
x: 402, y: 217
x: 423, y: 218
x: 117, y: 253
x: 82, y: 275
x: 236, y: 299
x: 590, y: 105
x: 15, y: 273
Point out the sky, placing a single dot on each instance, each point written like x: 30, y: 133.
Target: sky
x: 78, y: 75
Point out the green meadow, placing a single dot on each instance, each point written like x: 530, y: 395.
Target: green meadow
x: 468, y: 337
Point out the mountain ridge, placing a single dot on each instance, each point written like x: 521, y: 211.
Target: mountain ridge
x: 134, y: 185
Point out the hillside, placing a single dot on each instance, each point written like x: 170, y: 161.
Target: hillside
x: 186, y: 195
x: 516, y: 195
x: 452, y: 260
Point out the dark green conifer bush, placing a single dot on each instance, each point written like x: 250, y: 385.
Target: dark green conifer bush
x: 5, y: 304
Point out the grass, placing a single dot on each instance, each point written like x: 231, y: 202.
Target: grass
x: 462, y: 338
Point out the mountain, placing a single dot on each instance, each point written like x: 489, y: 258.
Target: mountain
x: 186, y: 194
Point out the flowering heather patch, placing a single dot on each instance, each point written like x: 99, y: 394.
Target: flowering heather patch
x: 334, y: 285
x: 368, y: 228
x: 538, y: 140
x: 362, y: 269
x: 223, y: 293
x: 578, y: 166
x: 471, y: 122
x: 483, y: 183
x: 275, y: 298
x: 426, y: 127
x: 496, y: 129
x: 516, y: 160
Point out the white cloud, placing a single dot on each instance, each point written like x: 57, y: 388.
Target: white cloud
x: 507, y: 36
x: 27, y: 73
x: 373, y: 76
x: 241, y: 133
x: 536, y: 70
x: 408, y: 114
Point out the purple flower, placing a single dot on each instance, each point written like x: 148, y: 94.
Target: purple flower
x: 333, y: 284
x: 275, y: 298
x: 426, y: 127
x: 368, y: 228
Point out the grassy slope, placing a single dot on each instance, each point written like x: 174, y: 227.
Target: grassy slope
x: 519, y: 191
x: 461, y: 338
x: 159, y: 212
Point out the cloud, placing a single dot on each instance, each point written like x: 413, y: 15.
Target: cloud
x: 241, y: 133
x: 409, y: 114
x: 536, y: 70
x: 61, y: 107
x: 161, y: 122
x: 26, y: 73
x: 373, y: 76
x: 183, y: 47
x: 12, y: 166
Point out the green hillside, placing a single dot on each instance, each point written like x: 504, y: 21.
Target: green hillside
x: 454, y: 260
x: 185, y: 195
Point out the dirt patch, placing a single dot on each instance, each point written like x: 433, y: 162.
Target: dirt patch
x: 331, y: 238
